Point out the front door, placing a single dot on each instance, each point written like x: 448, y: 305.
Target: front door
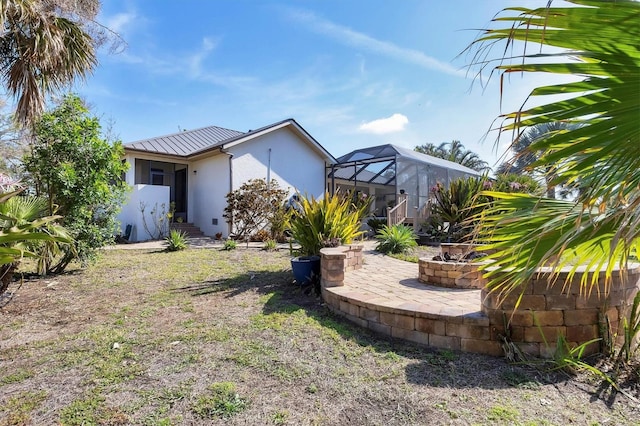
x: 181, y: 194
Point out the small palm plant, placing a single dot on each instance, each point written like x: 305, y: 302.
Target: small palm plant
x: 396, y: 239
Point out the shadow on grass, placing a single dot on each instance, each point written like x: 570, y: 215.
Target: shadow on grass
x: 426, y: 366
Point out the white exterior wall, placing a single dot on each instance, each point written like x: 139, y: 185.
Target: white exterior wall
x: 208, y: 188
x: 150, y: 195
x: 294, y: 164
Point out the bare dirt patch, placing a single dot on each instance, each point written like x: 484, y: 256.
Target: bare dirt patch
x: 215, y: 337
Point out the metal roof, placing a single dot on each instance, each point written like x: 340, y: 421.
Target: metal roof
x: 381, y: 152
x: 200, y: 141
x: 185, y: 143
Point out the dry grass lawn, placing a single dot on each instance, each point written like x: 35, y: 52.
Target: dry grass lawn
x: 215, y: 337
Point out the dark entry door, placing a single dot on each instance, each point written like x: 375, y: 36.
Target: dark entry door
x: 181, y: 193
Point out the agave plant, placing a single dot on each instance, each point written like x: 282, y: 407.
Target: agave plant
x: 331, y: 218
x: 596, y: 41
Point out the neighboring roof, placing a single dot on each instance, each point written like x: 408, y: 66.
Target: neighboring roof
x: 384, y: 152
x: 200, y: 141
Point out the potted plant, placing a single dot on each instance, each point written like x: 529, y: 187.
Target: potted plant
x: 328, y: 221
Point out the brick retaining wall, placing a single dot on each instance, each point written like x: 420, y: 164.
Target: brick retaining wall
x: 544, y: 311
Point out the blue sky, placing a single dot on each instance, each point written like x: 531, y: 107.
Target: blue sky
x: 352, y: 73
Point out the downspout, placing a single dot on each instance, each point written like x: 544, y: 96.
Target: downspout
x: 222, y: 150
x: 269, y: 169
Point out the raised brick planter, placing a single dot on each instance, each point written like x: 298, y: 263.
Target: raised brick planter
x: 546, y: 312
x: 450, y: 274
x: 335, y: 261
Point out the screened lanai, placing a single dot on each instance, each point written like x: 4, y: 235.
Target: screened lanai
x: 392, y: 174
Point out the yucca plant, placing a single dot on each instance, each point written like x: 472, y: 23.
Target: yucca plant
x: 456, y: 204
x: 333, y: 217
x: 396, y: 239
x: 176, y: 240
x: 597, y: 42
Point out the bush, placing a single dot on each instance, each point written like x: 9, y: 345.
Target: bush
x: 253, y: 206
x: 332, y: 218
x: 270, y: 245
x: 176, y: 241
x: 396, y: 239
x: 261, y: 236
x: 457, y: 205
x: 230, y: 245
x: 376, y: 224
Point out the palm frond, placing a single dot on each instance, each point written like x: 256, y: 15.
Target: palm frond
x: 598, y: 42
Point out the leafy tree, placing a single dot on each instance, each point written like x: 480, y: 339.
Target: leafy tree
x: 456, y: 152
x: 600, y: 228
x: 525, y: 157
x: 512, y: 182
x: 254, y: 206
x: 78, y: 171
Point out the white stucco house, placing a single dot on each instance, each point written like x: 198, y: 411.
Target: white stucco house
x: 196, y: 169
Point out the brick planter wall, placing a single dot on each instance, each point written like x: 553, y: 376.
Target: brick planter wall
x: 547, y: 312
x: 450, y: 274
x: 458, y: 249
x: 335, y: 261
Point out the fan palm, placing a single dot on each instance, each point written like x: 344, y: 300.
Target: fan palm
x: 597, y: 41
x: 456, y: 152
x: 44, y: 47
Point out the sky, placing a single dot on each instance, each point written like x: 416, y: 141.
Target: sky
x: 352, y: 73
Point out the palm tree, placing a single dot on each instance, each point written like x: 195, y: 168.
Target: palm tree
x: 45, y: 45
x: 456, y: 152
x: 525, y: 157
x: 598, y: 42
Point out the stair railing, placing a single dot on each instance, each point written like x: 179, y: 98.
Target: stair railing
x: 399, y: 213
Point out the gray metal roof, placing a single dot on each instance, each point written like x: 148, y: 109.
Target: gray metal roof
x: 380, y: 152
x: 185, y: 143
x: 199, y: 141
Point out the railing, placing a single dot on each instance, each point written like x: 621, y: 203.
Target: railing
x: 399, y: 213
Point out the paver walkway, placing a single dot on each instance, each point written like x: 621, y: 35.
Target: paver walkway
x: 393, y: 284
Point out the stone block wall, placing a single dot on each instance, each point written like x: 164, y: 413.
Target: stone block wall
x: 546, y: 312
x: 335, y: 261
x: 450, y: 274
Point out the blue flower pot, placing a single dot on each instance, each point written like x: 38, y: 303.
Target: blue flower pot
x: 305, y: 268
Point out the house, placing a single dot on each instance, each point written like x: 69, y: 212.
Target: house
x: 195, y: 169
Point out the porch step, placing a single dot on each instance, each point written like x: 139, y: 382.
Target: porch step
x: 188, y: 228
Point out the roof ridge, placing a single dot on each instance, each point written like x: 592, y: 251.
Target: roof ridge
x: 184, y: 132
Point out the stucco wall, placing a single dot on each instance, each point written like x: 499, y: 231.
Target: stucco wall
x: 208, y: 187
x: 150, y: 195
x: 293, y: 163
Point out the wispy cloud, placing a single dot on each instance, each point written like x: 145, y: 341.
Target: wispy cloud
x: 120, y: 22
x: 350, y: 37
x: 381, y: 126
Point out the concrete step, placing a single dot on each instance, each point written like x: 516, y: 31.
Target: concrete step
x: 188, y: 228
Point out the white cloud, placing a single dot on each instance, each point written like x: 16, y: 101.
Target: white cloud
x: 395, y: 123
x: 350, y: 37
x: 119, y: 22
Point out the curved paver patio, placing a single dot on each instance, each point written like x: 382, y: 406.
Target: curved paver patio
x: 384, y: 295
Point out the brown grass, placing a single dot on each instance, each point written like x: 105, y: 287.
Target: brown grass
x: 216, y: 337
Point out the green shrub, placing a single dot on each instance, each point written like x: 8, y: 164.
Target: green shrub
x: 332, y: 218
x: 230, y: 245
x: 270, y: 245
x: 396, y: 239
x: 376, y: 224
x: 176, y: 241
x: 456, y: 205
